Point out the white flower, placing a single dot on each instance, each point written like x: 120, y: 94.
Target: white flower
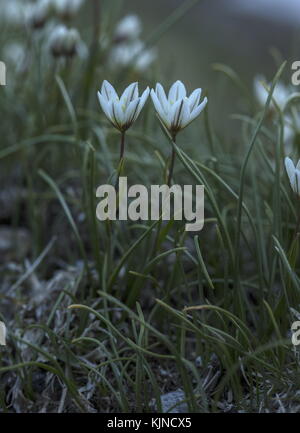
x: 293, y: 174
x: 64, y: 42
x: 122, y: 112
x: 280, y: 94
x: 2, y: 334
x: 13, y: 12
x: 38, y: 13
x: 129, y: 27
x: 291, y: 127
x: 177, y: 110
x: 14, y: 53
x: 127, y: 53
x: 66, y: 9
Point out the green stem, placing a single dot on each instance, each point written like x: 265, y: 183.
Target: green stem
x: 122, y: 153
x: 122, y: 146
x: 171, y: 168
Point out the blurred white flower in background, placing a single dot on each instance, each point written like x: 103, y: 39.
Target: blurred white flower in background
x: 133, y: 53
x: 2, y: 334
x: 122, y: 112
x: 293, y: 173
x: 177, y: 110
x: 14, y: 53
x: 129, y: 49
x: 130, y: 27
x: 65, y: 42
x: 13, y: 12
x: 280, y: 95
x: 291, y: 126
x: 37, y: 14
x: 66, y: 9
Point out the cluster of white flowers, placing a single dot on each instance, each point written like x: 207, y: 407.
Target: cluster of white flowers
x: 175, y: 111
x: 20, y: 12
x: 129, y: 49
x: 45, y: 14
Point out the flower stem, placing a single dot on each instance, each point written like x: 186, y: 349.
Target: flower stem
x: 122, y: 152
x: 171, y: 168
x: 122, y: 146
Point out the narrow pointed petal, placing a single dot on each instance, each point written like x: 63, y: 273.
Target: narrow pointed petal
x: 158, y: 107
x: 131, y: 111
x: 174, y: 113
x: 290, y: 169
x: 108, y: 91
x: 177, y: 91
x: 297, y: 182
x: 185, y: 114
x: 198, y: 110
x: 142, y: 102
x: 117, y: 114
x: 105, y: 105
x: 194, y: 99
x: 129, y: 94
x: 162, y: 96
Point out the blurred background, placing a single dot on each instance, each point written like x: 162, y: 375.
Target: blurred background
x: 249, y: 36
x: 252, y: 37
x: 191, y: 36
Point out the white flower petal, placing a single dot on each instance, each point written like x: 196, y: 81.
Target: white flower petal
x: 290, y: 169
x: 185, y: 114
x: 198, y: 110
x: 162, y: 97
x: 177, y: 91
x: 297, y: 182
x: 194, y: 99
x: 105, y: 105
x: 174, y: 114
x: 131, y: 111
x: 108, y: 91
x: 118, y: 114
x: 159, y: 108
x: 129, y: 94
x: 142, y: 102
